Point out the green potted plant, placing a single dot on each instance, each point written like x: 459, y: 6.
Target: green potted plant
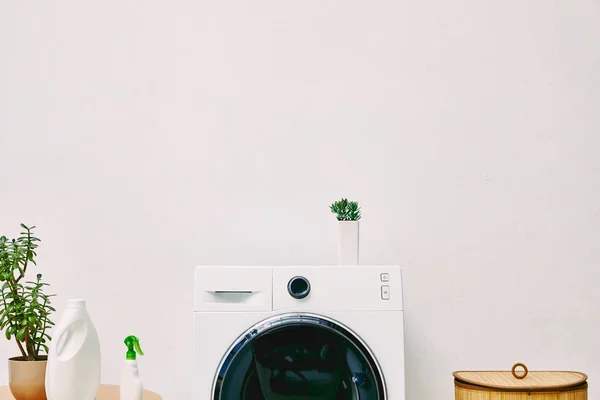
x: 348, y: 215
x: 25, y: 311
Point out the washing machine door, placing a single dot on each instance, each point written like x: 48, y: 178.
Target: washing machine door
x: 299, y: 357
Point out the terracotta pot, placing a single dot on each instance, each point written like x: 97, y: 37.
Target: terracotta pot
x: 27, y: 378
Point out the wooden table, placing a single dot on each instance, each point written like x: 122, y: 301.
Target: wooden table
x: 106, y: 392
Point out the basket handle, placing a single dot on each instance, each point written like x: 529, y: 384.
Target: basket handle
x: 517, y: 375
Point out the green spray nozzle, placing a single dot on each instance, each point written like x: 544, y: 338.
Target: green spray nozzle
x: 133, y: 347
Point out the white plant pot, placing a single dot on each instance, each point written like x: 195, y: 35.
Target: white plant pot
x: 348, y: 243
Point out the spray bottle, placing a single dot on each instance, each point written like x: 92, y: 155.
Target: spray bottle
x: 131, y: 384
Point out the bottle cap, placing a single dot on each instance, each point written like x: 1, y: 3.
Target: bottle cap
x: 75, y: 303
x: 133, y: 347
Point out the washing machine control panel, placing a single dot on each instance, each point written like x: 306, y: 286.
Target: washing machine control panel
x: 335, y: 288
x: 299, y: 287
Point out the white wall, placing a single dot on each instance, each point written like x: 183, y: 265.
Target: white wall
x: 144, y: 138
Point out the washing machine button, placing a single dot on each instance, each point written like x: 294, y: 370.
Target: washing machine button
x: 298, y: 287
x: 385, y: 277
x: 385, y: 292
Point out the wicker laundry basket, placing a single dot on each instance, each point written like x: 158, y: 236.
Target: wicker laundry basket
x: 520, y: 385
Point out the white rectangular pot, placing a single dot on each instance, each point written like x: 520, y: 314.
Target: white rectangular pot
x: 348, y: 242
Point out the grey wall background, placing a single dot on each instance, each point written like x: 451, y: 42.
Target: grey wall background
x: 144, y: 138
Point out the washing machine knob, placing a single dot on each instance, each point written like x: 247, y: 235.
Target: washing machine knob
x: 299, y: 287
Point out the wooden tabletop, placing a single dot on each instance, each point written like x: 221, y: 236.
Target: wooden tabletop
x: 106, y: 392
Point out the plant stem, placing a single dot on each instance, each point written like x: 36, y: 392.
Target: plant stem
x: 26, y: 256
x: 37, y: 351
x: 29, y: 346
x: 11, y: 325
x: 21, y: 348
x: 12, y: 283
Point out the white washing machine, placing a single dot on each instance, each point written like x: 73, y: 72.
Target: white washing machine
x: 298, y: 333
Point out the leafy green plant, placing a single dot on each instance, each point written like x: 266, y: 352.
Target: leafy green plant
x: 346, y: 210
x: 24, y: 307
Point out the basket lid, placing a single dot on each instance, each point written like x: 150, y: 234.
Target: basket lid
x: 522, y: 380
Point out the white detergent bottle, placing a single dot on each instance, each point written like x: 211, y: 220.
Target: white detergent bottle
x: 131, y: 384
x: 73, y: 369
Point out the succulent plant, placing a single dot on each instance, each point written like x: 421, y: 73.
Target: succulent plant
x: 346, y: 210
x: 24, y: 307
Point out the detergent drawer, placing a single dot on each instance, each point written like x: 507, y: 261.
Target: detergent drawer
x: 233, y: 289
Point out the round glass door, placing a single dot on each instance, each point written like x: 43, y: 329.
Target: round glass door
x: 299, y: 357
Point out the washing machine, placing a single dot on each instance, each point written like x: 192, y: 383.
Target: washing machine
x: 298, y: 333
